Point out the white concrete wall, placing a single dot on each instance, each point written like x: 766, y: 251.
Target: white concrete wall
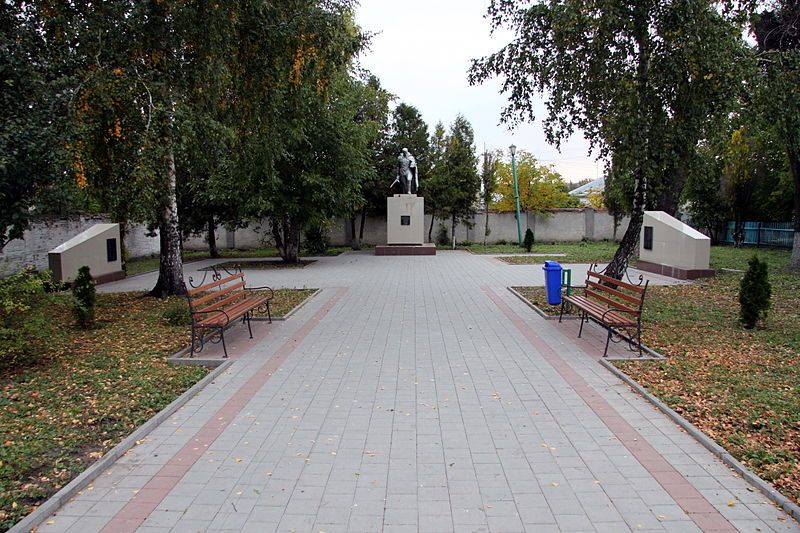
x: 562, y: 225
x: 559, y: 225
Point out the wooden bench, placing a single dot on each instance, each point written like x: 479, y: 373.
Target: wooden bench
x: 614, y: 304
x: 214, y: 306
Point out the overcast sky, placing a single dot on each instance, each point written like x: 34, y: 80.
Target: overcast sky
x: 421, y: 54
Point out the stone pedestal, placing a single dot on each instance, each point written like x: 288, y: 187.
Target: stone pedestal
x: 405, y: 219
x: 405, y: 227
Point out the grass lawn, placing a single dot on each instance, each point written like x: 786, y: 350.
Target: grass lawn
x: 576, y: 252
x: 141, y: 265
x: 538, y: 297
x: 740, y: 387
x: 90, y: 391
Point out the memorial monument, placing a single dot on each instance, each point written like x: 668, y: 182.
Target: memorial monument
x: 405, y: 213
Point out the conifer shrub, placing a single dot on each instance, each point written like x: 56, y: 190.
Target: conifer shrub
x: 84, y: 297
x: 528, y: 241
x: 442, y: 238
x: 755, y: 293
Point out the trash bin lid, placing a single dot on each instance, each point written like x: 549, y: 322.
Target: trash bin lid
x: 552, y: 265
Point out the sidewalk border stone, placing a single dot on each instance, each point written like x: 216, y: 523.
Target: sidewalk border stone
x: 768, y: 490
x: 55, y: 502
x: 538, y: 311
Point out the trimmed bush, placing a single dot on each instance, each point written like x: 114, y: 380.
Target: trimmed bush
x: 316, y: 240
x: 755, y: 293
x: 441, y: 236
x: 84, y: 297
x: 528, y: 242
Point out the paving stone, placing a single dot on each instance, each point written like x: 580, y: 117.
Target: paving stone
x: 426, y: 398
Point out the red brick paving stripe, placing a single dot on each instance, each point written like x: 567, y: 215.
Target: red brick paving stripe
x: 697, y: 507
x: 145, y: 501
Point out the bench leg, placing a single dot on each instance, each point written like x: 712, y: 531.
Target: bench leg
x: 561, y: 314
x: 583, y: 317
x: 608, y: 339
x: 191, y: 346
x: 639, y: 338
x: 269, y: 313
x: 246, y: 318
x: 222, y: 336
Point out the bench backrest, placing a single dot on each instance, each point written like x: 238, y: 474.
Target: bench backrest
x: 615, y: 293
x: 217, y: 294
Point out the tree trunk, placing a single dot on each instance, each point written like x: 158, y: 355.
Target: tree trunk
x: 627, y: 247
x: 430, y: 229
x: 738, y: 230
x: 486, y: 225
x: 361, y: 228
x: 123, y: 250
x: 286, y: 233
x: 355, y: 243
x: 453, y: 231
x: 794, y: 166
x: 212, y: 239
x: 170, y: 270
x: 669, y: 199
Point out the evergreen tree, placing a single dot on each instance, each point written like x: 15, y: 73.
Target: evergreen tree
x: 84, y: 297
x: 460, y: 184
x: 755, y: 292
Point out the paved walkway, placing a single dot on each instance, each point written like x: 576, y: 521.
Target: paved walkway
x: 416, y: 394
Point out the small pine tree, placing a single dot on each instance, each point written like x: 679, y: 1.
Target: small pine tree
x: 441, y: 236
x: 84, y: 296
x: 528, y: 242
x: 754, y: 293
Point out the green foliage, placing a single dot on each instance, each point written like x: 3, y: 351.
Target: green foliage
x: 643, y: 81
x: 177, y: 314
x: 84, y: 296
x: 540, y: 186
x: 26, y: 326
x: 32, y: 128
x: 442, y: 238
x: 528, y: 241
x: 455, y: 181
x: 316, y: 240
x: 755, y: 293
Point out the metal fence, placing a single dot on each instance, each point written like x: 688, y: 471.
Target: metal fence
x: 778, y: 234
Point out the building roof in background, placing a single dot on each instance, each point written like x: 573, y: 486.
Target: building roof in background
x: 597, y: 185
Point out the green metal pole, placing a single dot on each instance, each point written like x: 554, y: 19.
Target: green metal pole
x: 516, y: 197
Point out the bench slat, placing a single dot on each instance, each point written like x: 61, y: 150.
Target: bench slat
x: 598, y: 311
x: 234, y: 312
x: 609, y: 301
x: 619, y: 294
x: 615, y: 281
x: 209, y: 286
x: 229, y: 300
x: 215, y: 295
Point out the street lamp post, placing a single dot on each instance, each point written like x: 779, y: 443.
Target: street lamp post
x: 513, y: 150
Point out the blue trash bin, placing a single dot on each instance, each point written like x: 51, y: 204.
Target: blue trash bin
x: 552, y: 282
